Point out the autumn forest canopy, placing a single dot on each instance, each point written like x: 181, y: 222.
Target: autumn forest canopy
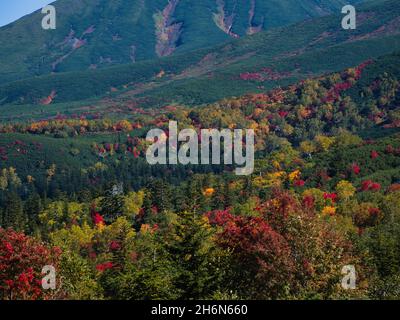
x: 78, y: 194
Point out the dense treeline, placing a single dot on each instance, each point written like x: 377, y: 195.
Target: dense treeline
x: 211, y: 73
x: 209, y: 236
x: 324, y: 195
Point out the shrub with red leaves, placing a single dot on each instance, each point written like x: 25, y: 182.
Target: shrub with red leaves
x: 390, y: 149
x: 374, y: 211
x: 309, y: 202
x: 274, y: 248
x: 374, y: 154
x: 136, y: 153
x: 258, y: 248
x: 367, y: 215
x: 21, y: 261
x: 394, y: 188
x: 115, y: 245
x: 251, y: 76
x: 283, y: 114
x: 104, y: 266
x: 299, y: 183
x: 356, y: 168
x: 369, y: 185
x: 375, y: 187
x: 330, y: 196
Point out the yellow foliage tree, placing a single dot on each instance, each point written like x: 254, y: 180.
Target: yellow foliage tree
x: 328, y: 211
x: 124, y: 125
x: 308, y: 147
x: 74, y: 238
x: 133, y: 201
x: 9, y: 177
x: 345, y: 190
x: 324, y: 142
x: 295, y: 175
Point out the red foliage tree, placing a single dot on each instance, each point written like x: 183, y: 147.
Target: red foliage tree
x: 98, y: 219
x: 284, y: 245
x: 21, y: 261
x: 309, y: 202
x: 374, y: 154
x: 369, y: 185
x: 299, y: 183
x: 356, y: 168
x: 258, y: 248
x: 330, y: 196
x: 104, y: 266
x: 393, y: 188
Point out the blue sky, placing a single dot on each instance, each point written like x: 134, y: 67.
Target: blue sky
x: 11, y: 10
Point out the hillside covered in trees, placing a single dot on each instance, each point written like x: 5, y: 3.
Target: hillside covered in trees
x: 248, y: 64
x: 77, y: 193
x: 96, y: 34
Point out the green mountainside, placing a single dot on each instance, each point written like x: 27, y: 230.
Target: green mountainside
x: 99, y: 33
x: 268, y: 59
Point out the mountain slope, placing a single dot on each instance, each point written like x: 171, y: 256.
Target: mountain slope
x: 363, y: 99
x: 265, y: 60
x: 99, y: 33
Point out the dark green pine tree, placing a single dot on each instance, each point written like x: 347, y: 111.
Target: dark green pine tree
x: 180, y: 198
x: 248, y: 188
x: 13, y: 213
x: 147, y: 204
x: 228, y: 195
x: 32, y: 207
x: 195, y: 256
x: 194, y: 196
x: 217, y: 199
x: 161, y: 195
x: 112, y: 204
